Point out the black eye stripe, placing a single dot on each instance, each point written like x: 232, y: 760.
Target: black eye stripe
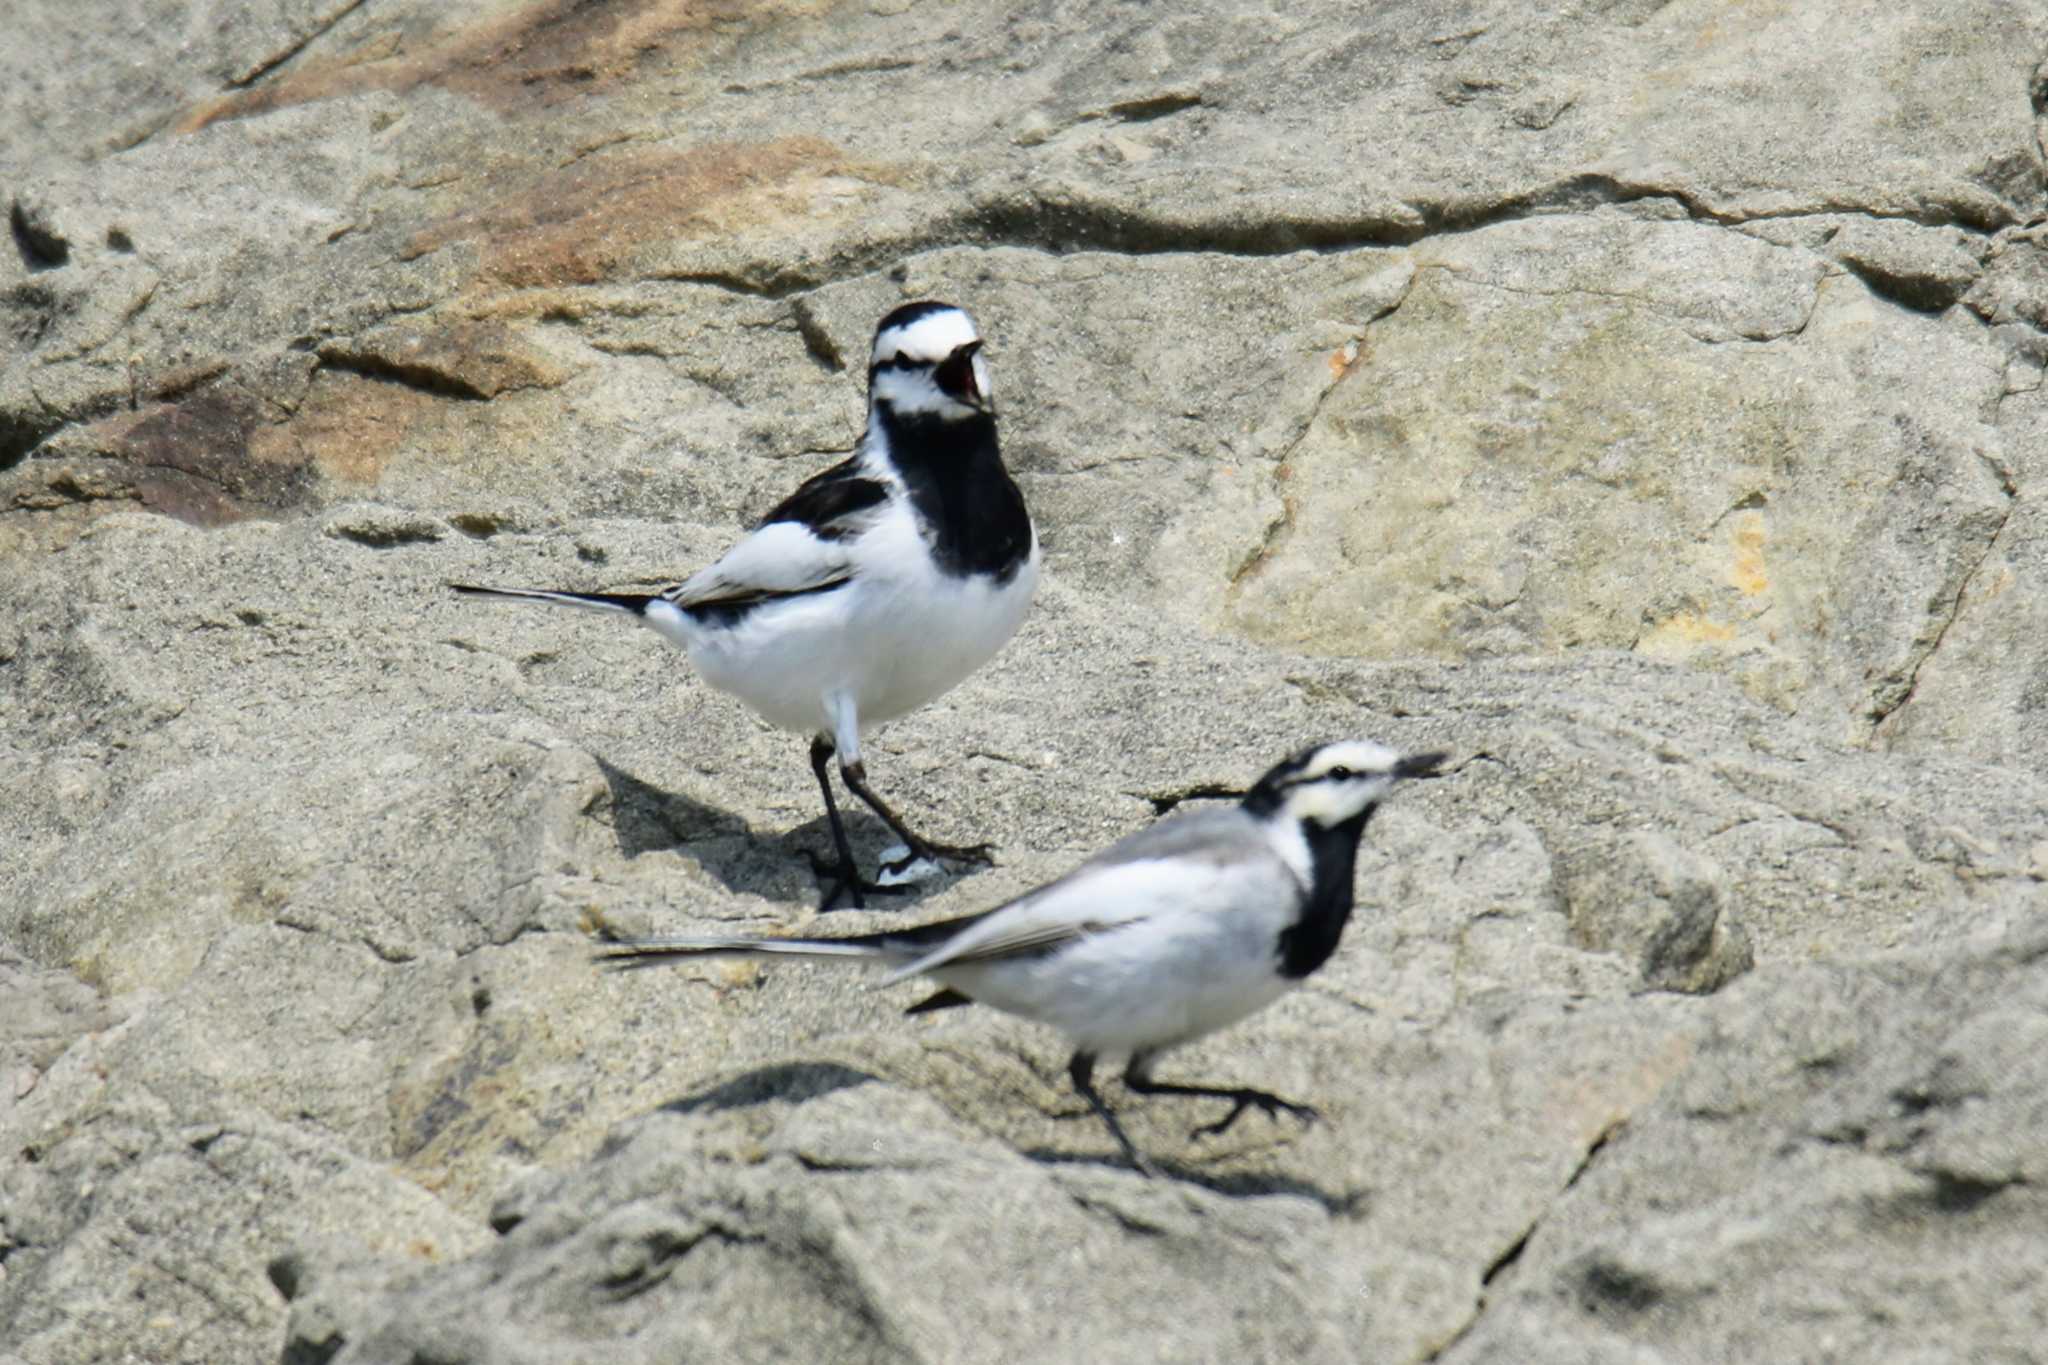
x: 903, y: 360
x: 954, y: 374
x: 1340, y: 773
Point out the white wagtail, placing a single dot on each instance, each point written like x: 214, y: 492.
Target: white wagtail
x: 875, y: 586
x: 1164, y: 936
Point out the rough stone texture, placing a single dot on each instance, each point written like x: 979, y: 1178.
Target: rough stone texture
x: 1643, y: 401
x: 1650, y: 898
x: 1852, y: 1138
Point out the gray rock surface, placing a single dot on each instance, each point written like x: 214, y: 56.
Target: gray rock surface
x: 1642, y: 401
x: 1648, y: 897
x: 1850, y: 1138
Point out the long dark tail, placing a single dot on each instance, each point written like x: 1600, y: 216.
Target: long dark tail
x: 656, y: 952
x: 632, y: 954
x: 896, y: 946
x: 632, y: 603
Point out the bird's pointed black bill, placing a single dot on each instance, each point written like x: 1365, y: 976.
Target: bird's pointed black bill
x: 955, y: 375
x: 1422, y: 765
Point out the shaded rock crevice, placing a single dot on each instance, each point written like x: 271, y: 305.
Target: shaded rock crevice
x: 1889, y: 705
x: 1064, y: 224
x: 265, y: 66
x: 1061, y: 224
x: 1346, y: 361
x: 433, y: 381
x: 1500, y: 1268
x: 21, y: 433
x: 41, y: 244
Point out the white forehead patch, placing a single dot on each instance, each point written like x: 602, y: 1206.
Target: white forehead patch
x: 929, y: 339
x: 1359, y: 755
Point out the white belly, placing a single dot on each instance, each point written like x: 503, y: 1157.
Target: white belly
x: 891, y: 642
x: 1141, y: 988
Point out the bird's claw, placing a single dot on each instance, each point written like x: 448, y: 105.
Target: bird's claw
x: 982, y: 854
x: 1271, y: 1104
x: 840, y: 879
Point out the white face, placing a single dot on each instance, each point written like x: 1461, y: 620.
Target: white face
x: 1342, y: 779
x: 931, y: 343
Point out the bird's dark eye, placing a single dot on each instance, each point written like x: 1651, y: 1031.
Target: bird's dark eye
x: 1341, y: 773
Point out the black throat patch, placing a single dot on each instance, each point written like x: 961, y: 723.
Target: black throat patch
x: 966, y: 502
x: 1333, y: 857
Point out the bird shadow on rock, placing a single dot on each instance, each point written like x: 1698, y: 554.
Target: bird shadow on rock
x: 646, y: 818
x: 800, y: 1082
x: 794, y: 1082
x: 1231, y: 1184
x: 650, y: 819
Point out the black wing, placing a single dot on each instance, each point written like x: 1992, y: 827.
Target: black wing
x: 767, y: 566
x: 829, y: 503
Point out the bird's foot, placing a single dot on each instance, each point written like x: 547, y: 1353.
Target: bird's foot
x: 1247, y: 1099
x: 916, y: 848
x: 843, y: 880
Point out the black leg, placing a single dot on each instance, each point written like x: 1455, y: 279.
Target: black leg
x: 856, y: 775
x: 1082, y: 1072
x: 1136, y: 1078
x: 843, y: 876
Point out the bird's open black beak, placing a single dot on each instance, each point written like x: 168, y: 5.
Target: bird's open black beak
x: 1421, y: 765
x: 955, y: 377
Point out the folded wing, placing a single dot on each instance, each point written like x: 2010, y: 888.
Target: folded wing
x: 802, y: 546
x: 1181, y: 865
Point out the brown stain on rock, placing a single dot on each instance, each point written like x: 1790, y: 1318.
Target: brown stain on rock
x: 580, y: 224
x: 534, y: 57
x: 204, y: 449
x: 1682, y: 631
x: 1345, y: 360
x: 194, y: 460
x: 217, y: 455
x: 528, y: 229
x: 1747, y: 571
x: 348, y: 427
